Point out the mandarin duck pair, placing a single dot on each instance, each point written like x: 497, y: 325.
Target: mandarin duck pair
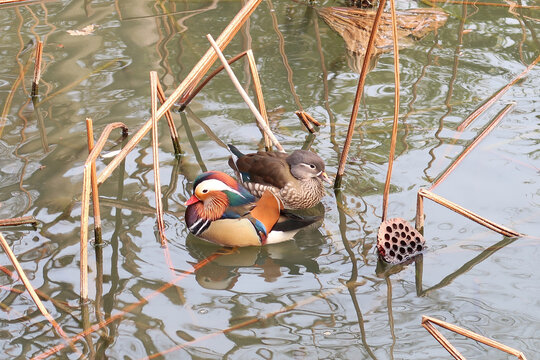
x: 227, y: 213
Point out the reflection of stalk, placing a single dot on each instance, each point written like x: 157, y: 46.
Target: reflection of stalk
x: 352, y: 283
x: 396, y: 112
x: 359, y: 91
x: 192, y: 141
x: 129, y: 308
x: 464, y: 268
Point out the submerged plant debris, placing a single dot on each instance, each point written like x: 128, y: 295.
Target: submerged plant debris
x: 354, y: 25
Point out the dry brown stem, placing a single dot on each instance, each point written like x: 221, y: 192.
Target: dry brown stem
x: 258, y: 116
x: 465, y: 212
x: 427, y: 323
x: 155, y: 157
x: 303, y: 116
x: 473, y: 144
x: 30, y: 288
x: 95, y: 192
x: 189, y: 82
x: 259, y: 96
x: 23, y: 220
x: 359, y: 91
x: 496, y: 97
x: 37, y: 68
x: 192, y: 94
x: 85, y: 199
x: 396, y: 111
x: 170, y: 121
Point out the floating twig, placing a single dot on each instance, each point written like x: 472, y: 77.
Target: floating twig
x: 396, y: 112
x: 244, y: 95
x: 191, y: 80
x: 496, y: 96
x: 30, y: 288
x: 85, y: 199
x: 460, y: 210
x: 359, y: 91
x: 37, y: 68
x: 155, y: 156
x: 427, y: 323
x: 93, y: 175
x: 23, y: 220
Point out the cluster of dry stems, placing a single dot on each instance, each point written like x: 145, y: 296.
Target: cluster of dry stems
x: 186, y: 91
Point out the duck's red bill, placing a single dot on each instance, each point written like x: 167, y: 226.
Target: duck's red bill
x: 192, y: 200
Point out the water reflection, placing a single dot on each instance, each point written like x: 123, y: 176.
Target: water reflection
x: 293, y: 257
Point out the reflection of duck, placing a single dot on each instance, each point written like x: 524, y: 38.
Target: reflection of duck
x: 223, y: 272
x: 224, y: 212
x: 295, y: 178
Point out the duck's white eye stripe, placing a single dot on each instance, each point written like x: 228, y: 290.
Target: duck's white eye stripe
x: 216, y: 185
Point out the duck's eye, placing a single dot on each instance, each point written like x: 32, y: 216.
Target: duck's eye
x: 312, y: 166
x: 205, y: 191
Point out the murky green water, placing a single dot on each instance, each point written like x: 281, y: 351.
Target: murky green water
x: 471, y: 276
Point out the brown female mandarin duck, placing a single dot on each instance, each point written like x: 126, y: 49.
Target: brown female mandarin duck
x: 295, y: 178
x: 224, y: 212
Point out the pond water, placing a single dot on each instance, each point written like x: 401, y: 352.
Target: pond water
x: 322, y: 295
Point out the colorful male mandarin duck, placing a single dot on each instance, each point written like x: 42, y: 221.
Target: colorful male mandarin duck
x: 224, y: 212
x: 295, y: 178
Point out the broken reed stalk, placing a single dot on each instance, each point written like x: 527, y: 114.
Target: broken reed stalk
x: 302, y: 115
x: 23, y: 220
x: 427, y: 323
x: 473, y: 144
x: 30, y: 289
x: 192, y: 94
x: 396, y: 111
x: 256, y: 83
x: 359, y: 91
x: 155, y: 157
x: 189, y: 82
x: 85, y: 200
x: 244, y: 95
x: 37, y: 68
x: 460, y: 210
x: 259, y: 96
x: 496, y: 96
x: 93, y: 174
x: 127, y: 309
x: 322, y: 295
x: 283, y: 55
x: 170, y: 121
